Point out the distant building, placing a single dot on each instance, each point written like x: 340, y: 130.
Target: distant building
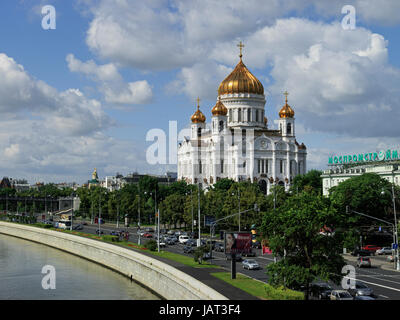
x: 95, y: 179
x: 385, y: 164
x: 5, y: 183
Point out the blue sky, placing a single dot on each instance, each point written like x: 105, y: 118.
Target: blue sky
x: 85, y: 94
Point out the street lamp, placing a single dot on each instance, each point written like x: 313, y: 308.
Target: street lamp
x: 191, y: 202
x: 233, y: 193
x: 395, y: 226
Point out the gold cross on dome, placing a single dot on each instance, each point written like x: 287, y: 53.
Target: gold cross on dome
x: 241, y: 46
x: 198, y: 102
x: 286, y: 94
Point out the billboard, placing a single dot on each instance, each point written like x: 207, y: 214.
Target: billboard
x: 237, y: 242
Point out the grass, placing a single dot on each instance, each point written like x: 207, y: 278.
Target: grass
x: 259, y: 289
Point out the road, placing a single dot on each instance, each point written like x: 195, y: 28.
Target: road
x: 385, y: 283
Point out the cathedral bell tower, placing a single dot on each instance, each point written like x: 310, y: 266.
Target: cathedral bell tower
x: 286, y: 121
x: 198, y: 123
x: 219, y: 118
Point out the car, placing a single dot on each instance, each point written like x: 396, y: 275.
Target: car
x: 84, y: 223
x: 77, y: 227
x: 361, y: 253
x: 114, y: 233
x: 321, y: 290
x: 363, y: 262
x: 384, y: 250
x: 250, y: 253
x: 238, y: 257
x: 250, y: 264
x: 206, y: 255
x: 99, y: 231
x: 364, y: 298
x: 219, y: 247
x: 171, y: 232
x: 148, y: 229
x: 169, y: 241
x: 178, y: 233
x: 183, y: 239
x: 191, y: 242
x: 162, y: 244
x: 371, y: 248
x: 256, y: 244
x: 188, y: 249
x: 141, y: 232
x: 340, y: 295
x: 361, y: 289
x: 147, y: 235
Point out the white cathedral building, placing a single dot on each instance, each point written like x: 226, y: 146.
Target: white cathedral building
x: 238, y: 144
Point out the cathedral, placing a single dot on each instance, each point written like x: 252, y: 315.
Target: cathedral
x: 237, y: 144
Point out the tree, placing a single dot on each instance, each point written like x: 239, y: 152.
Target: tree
x: 293, y: 232
x: 311, y: 182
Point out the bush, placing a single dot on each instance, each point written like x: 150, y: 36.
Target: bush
x: 43, y: 225
x: 151, y: 245
x: 110, y: 238
x: 199, y: 253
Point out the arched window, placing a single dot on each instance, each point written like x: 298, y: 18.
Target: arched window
x: 240, y: 115
x: 289, y: 128
x: 248, y: 114
x: 221, y: 126
x: 199, y: 132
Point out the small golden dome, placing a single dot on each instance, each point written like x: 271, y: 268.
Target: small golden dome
x: 219, y: 109
x: 265, y: 120
x: 198, y: 116
x: 286, y: 111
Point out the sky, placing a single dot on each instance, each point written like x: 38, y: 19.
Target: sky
x: 88, y: 92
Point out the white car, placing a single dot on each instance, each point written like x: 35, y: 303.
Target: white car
x: 250, y: 264
x: 162, y: 244
x: 384, y: 250
x: 183, y: 239
x: 340, y: 295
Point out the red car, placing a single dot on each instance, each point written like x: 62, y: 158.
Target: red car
x: 372, y: 248
x: 147, y: 235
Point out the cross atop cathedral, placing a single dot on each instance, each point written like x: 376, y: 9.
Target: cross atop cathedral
x: 240, y: 46
x: 198, y: 102
x: 286, y: 94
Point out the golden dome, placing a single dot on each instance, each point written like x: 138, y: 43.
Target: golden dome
x: 198, y: 116
x: 219, y: 109
x: 240, y: 80
x: 286, y: 111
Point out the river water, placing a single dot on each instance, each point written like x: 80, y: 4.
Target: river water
x: 21, y: 264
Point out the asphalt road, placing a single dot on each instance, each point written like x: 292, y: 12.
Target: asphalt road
x: 385, y: 283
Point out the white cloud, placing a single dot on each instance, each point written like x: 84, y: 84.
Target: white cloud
x: 111, y: 83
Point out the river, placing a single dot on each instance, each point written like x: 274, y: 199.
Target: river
x: 21, y: 264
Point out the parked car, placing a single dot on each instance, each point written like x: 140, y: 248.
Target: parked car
x: 251, y: 253
x: 384, y: 250
x: 250, y: 264
x: 171, y: 232
x: 162, y: 244
x: 191, y: 242
x: 256, y: 244
x: 99, y: 231
x: 219, y: 247
x: 364, y: 298
x: 321, y: 290
x: 183, y: 239
x: 340, y: 295
x: 361, y: 253
x: 148, y: 229
x: 188, y: 249
x: 77, y: 227
x: 361, y: 289
x: 114, y: 233
x: 147, y: 235
x: 371, y: 248
x: 363, y: 262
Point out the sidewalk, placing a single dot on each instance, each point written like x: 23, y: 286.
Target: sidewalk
x: 204, y: 275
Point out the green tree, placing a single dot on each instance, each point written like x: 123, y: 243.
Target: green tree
x: 293, y: 232
x: 311, y: 182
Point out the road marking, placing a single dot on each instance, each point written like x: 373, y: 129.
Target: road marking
x: 381, y: 295
x: 375, y: 284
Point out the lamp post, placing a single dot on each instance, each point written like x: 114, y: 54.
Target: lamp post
x: 395, y: 226
x: 198, y: 222
x: 238, y: 194
x: 72, y: 210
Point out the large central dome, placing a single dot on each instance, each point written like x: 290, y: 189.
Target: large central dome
x: 240, y: 80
